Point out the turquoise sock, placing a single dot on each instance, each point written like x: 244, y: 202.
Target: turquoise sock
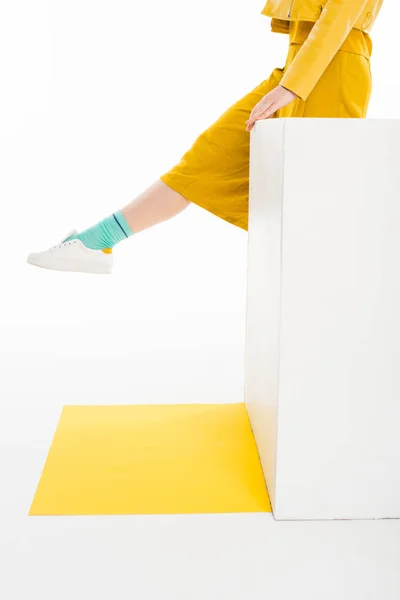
x: 105, y: 234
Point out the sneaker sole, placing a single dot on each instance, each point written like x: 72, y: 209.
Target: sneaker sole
x: 79, y: 267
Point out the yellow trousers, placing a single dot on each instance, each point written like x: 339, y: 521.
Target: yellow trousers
x: 214, y: 172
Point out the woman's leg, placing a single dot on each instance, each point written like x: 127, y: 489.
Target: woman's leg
x: 156, y: 204
x: 90, y: 251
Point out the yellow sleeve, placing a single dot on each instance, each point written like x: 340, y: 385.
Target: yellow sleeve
x: 330, y: 31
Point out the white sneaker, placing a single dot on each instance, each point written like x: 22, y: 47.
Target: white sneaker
x: 73, y: 256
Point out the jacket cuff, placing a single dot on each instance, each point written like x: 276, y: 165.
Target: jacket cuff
x: 292, y: 82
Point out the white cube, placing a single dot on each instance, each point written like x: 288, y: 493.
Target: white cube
x: 322, y: 384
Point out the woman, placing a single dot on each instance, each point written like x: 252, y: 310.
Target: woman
x: 327, y: 74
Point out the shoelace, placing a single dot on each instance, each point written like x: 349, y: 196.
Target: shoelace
x: 63, y: 244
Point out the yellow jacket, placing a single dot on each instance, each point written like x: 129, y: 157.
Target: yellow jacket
x: 333, y: 19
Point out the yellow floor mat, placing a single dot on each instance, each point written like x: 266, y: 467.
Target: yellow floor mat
x: 157, y: 459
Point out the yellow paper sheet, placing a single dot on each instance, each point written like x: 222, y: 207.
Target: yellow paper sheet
x: 157, y: 459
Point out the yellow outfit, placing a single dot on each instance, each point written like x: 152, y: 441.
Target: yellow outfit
x: 214, y: 172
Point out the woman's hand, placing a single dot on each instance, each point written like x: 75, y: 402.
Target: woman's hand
x: 269, y: 104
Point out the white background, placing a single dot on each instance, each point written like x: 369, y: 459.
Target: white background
x: 98, y: 99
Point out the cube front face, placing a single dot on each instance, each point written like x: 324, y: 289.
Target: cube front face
x: 323, y: 326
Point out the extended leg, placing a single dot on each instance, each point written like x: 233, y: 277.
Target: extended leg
x: 91, y: 250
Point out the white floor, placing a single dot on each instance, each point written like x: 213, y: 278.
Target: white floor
x: 175, y: 557
x: 167, y: 326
